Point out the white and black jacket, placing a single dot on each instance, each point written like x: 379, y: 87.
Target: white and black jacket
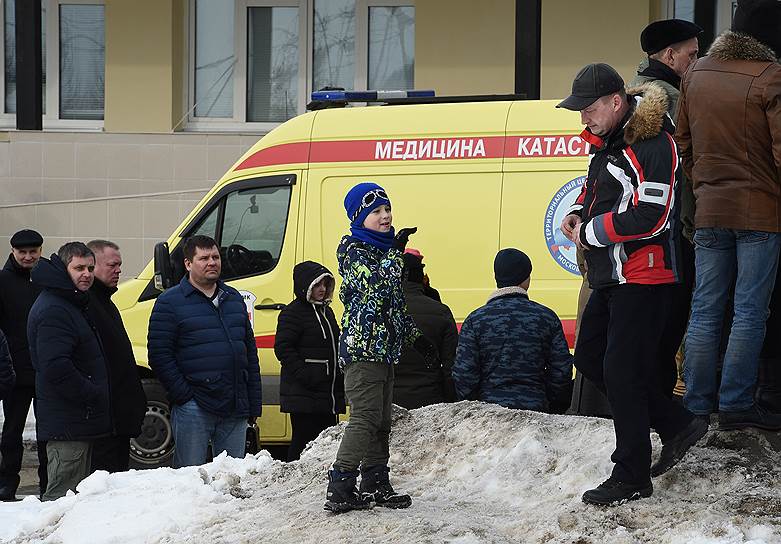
x: 629, y: 203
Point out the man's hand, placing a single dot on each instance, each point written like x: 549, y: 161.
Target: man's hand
x: 568, y: 225
x: 576, y: 237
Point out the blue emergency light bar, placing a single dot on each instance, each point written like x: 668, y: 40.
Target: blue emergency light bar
x: 367, y: 96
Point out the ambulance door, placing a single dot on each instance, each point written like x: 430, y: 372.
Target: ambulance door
x: 255, y: 224
x: 545, y: 161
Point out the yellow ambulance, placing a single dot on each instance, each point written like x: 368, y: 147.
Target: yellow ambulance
x: 473, y: 177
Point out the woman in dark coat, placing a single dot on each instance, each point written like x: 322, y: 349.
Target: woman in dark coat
x: 312, y: 386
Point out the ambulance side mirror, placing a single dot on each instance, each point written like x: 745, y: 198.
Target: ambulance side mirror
x: 164, y: 274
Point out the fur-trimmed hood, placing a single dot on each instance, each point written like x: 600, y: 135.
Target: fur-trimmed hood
x: 736, y: 46
x: 650, y: 113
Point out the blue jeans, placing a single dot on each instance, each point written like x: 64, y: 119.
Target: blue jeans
x: 194, y: 428
x: 750, y: 259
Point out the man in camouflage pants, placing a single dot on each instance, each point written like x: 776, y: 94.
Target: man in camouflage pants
x: 512, y: 351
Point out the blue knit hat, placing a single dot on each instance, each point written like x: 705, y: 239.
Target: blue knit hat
x: 362, y: 199
x: 511, y: 267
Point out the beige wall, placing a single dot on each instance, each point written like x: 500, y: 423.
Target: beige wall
x: 80, y: 186
x: 144, y: 65
x: 464, y: 47
x: 577, y: 33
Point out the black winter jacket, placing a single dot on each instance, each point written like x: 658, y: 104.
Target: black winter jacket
x: 207, y: 353
x: 630, y: 201
x: 71, y: 382
x: 306, y: 343
x: 17, y: 295
x: 7, y: 375
x: 128, y: 402
x: 415, y: 385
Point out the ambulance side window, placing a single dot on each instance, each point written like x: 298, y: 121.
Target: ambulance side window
x: 208, y: 225
x: 253, y: 230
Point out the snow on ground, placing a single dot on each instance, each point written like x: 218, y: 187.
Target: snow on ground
x: 478, y: 473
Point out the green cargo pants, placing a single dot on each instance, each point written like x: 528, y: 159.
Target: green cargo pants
x: 69, y: 463
x: 369, y: 390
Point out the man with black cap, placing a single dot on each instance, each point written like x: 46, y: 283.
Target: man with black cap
x: 626, y: 221
x: 671, y: 46
x: 17, y: 295
x: 512, y: 351
x: 729, y: 133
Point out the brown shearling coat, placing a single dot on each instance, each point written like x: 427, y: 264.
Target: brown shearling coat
x: 728, y: 129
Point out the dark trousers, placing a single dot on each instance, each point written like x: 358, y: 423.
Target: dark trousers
x: 15, y: 409
x: 306, y: 427
x: 111, y: 454
x: 678, y: 320
x: 618, y: 350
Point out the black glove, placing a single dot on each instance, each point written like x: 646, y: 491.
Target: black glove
x: 428, y: 350
x: 402, y: 237
x: 252, y: 420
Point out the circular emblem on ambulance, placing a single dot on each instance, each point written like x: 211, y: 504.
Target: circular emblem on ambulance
x: 561, y: 249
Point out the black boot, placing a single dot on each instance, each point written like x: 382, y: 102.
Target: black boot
x: 675, y: 448
x: 756, y: 417
x: 376, y: 487
x: 7, y: 493
x: 612, y: 492
x: 768, y: 394
x: 342, y: 496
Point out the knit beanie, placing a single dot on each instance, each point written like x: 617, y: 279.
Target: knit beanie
x: 760, y: 19
x: 511, y: 267
x: 413, y: 267
x: 362, y: 199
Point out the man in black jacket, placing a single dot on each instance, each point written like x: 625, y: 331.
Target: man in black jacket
x: 415, y: 383
x: 17, y: 295
x: 626, y: 221
x: 71, y: 382
x: 128, y: 402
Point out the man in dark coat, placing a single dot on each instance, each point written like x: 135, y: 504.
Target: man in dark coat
x: 512, y: 351
x: 71, y: 381
x: 202, y: 349
x: 311, y: 387
x: 128, y: 403
x: 7, y: 374
x: 17, y: 295
x: 415, y: 383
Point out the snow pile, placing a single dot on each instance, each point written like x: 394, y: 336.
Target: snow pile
x: 477, y: 473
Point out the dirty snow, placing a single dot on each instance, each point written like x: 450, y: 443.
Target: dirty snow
x: 478, y: 474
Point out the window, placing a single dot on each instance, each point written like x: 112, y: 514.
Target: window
x: 253, y: 230
x: 73, y: 40
x: 256, y: 61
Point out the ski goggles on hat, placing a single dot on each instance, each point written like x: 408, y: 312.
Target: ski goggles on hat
x: 368, y: 200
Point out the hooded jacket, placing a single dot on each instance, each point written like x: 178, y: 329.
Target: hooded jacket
x: 7, y: 375
x: 729, y: 134
x: 375, y: 323
x: 415, y: 385
x: 629, y: 203
x: 128, y: 402
x: 512, y: 352
x: 17, y: 295
x: 207, y: 353
x: 306, y: 346
x: 71, y: 381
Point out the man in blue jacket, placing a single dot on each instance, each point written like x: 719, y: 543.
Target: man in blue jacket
x: 71, y: 381
x: 202, y: 349
x: 512, y: 351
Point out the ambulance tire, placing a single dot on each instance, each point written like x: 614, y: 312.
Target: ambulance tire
x: 154, y: 447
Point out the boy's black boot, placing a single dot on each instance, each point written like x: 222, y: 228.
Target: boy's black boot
x: 376, y: 487
x: 342, y: 495
x: 613, y: 492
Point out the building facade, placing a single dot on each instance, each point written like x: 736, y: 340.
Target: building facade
x: 147, y: 102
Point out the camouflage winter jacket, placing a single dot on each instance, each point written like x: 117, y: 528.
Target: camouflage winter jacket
x: 375, y: 323
x: 512, y: 352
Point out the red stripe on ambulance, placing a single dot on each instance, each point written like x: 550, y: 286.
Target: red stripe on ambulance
x: 419, y: 149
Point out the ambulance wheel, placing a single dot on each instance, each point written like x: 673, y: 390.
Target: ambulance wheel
x: 154, y: 447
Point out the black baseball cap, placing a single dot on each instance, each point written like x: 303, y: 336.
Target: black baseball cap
x: 592, y: 82
x: 26, y: 238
